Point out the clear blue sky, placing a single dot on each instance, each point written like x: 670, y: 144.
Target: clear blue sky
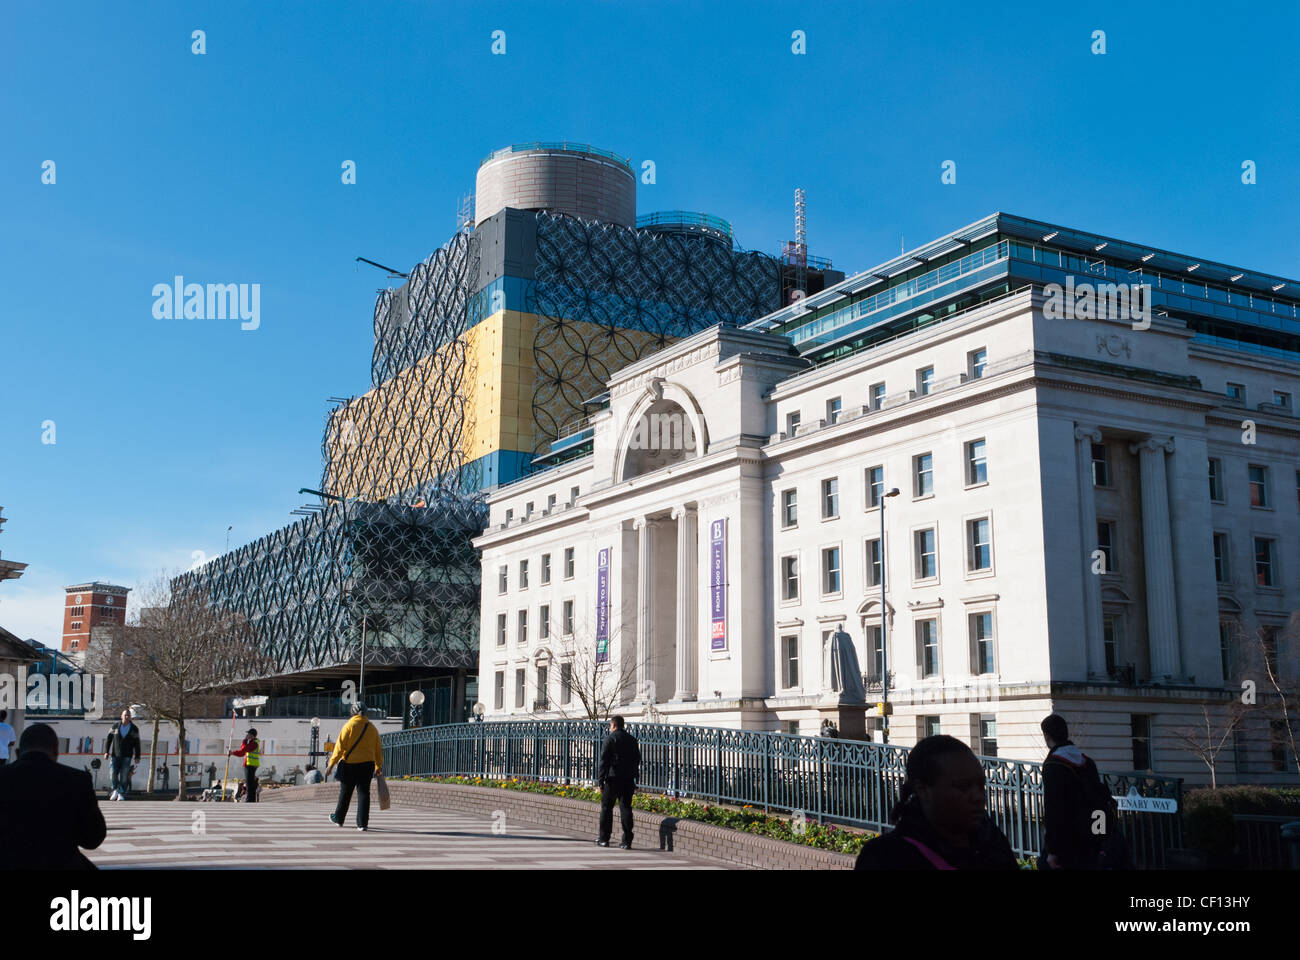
x: 226, y: 168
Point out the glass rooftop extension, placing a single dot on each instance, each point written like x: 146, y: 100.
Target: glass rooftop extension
x: 564, y: 145
x: 1225, y: 305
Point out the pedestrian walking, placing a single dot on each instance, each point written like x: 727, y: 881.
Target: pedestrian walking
x: 7, y: 737
x: 251, y: 751
x: 358, y: 756
x: 1080, y: 816
x: 620, y: 762
x: 122, y: 750
x: 47, y: 810
x: 164, y: 773
x: 940, y: 820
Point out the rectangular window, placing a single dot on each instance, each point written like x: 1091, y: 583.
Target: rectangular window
x: 568, y: 563
x: 510, y: 515
x: 1216, y: 480
x: 499, y: 690
x: 521, y: 683
x: 876, y: 655
x: 1236, y: 391
x: 789, y: 508
x: 503, y: 579
x: 544, y: 621
x: 1221, y: 557
x: 546, y: 568
x: 1258, y: 486
x: 792, y: 423
x: 1282, y: 399
x: 977, y: 470
x: 1110, y: 644
x: 550, y: 502
x: 522, y: 635
x: 927, y: 642
x: 542, y: 700
x: 922, y: 475
x: 501, y: 629
x: 875, y: 483
x: 831, y: 570
x: 573, y: 494
x: 979, y: 545
x: 1277, y: 745
x: 568, y: 618
x: 1240, y: 755
x: 988, y: 736
x: 930, y: 726
x: 1225, y: 650
x: 1100, y: 465
x: 1105, y: 538
x: 1141, y: 735
x: 1265, y: 562
x: 523, y: 574
x: 830, y: 498
x: 927, y: 557
x: 981, y: 636
x: 833, y: 407
x: 976, y: 360
x: 789, y: 661
x: 790, y: 578
x: 877, y: 395
x: 528, y: 509
x: 873, y: 562
x: 924, y: 380
x: 566, y: 683
x: 1268, y: 640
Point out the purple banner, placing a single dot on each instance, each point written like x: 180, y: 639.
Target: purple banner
x: 718, y: 584
x: 602, y: 606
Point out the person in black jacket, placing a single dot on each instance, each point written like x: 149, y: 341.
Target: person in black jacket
x: 122, y: 749
x: 47, y: 810
x: 620, y: 760
x: 1077, y: 808
x: 941, y: 820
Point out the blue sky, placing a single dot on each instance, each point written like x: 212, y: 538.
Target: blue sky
x: 225, y: 168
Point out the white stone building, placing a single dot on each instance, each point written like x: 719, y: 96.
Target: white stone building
x: 1091, y: 521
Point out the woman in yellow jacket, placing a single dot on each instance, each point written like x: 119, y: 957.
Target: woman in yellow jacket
x: 360, y: 756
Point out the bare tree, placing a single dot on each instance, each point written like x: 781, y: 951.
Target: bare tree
x: 1207, y: 739
x: 598, y: 681
x: 1269, y: 658
x: 174, y: 654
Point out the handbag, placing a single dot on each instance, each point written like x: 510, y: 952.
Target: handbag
x: 338, y: 767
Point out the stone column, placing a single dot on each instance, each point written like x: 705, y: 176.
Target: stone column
x: 1084, y: 438
x: 687, y: 590
x: 645, y: 585
x: 1162, y: 600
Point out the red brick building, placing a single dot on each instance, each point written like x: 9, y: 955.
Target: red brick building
x: 90, y: 605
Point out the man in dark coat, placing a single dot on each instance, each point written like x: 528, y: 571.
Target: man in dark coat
x: 122, y: 749
x: 47, y: 810
x: 1077, y: 809
x: 620, y: 761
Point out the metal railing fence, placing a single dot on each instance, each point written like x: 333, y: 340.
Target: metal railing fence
x: 847, y: 782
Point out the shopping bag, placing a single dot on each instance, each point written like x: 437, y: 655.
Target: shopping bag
x: 381, y: 788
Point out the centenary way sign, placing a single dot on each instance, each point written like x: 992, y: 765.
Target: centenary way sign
x: 1138, y: 804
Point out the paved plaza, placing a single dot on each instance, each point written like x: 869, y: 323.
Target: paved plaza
x: 151, y: 834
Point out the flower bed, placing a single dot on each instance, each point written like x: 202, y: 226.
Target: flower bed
x: 746, y: 818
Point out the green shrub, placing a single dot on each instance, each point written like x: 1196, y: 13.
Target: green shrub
x: 1208, y: 815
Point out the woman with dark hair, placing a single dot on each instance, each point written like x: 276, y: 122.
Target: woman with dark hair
x: 940, y: 820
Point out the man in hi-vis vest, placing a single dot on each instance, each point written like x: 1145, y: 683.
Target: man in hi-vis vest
x: 252, y: 755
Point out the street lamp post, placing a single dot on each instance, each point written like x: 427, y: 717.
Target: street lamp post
x: 417, y: 704
x: 884, y: 628
x: 315, y: 740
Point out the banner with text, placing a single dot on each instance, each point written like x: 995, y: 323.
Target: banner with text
x: 718, y: 583
x: 602, y: 605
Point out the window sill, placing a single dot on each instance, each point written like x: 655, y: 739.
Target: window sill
x: 982, y: 574
x: 923, y: 496
x: 976, y: 486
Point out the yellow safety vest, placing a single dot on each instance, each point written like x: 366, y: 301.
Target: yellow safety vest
x: 252, y: 758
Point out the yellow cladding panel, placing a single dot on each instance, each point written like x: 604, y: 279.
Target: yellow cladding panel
x: 483, y: 393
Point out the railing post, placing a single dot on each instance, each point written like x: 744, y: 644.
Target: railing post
x: 821, y: 780
x: 673, y: 760
x: 767, y: 770
x: 568, y: 753
x: 537, y: 750
x: 717, y: 764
